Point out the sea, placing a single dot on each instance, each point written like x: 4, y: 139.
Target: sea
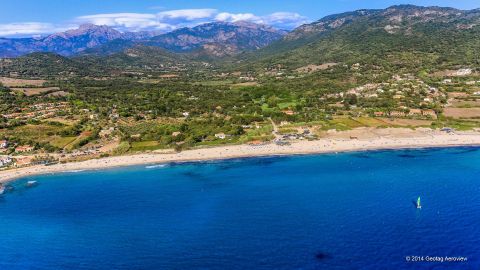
x: 331, y: 211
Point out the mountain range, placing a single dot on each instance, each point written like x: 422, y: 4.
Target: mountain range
x: 216, y: 39
x: 66, y: 43
x: 431, y: 33
x: 404, y: 36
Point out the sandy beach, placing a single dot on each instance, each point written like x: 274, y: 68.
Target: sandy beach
x: 336, y: 142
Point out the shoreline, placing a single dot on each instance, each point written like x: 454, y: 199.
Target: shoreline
x: 321, y: 146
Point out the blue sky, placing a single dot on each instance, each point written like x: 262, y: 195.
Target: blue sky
x: 39, y: 17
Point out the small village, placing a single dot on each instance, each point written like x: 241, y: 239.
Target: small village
x: 62, y: 131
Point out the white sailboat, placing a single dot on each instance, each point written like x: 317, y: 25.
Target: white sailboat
x: 419, y: 205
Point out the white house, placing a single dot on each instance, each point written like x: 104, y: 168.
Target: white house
x: 4, y: 161
x: 221, y: 136
x: 3, y: 144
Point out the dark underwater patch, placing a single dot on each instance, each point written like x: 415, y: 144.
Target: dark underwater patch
x: 466, y: 150
x: 360, y: 155
x: 248, y: 162
x: 194, y: 175
x: 322, y: 256
x: 407, y: 156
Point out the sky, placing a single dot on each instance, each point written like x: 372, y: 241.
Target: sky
x: 20, y: 18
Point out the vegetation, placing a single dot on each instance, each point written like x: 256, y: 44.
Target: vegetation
x: 380, y: 73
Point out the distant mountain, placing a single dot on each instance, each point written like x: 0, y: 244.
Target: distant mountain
x: 109, y: 48
x: 140, y: 57
x: 213, y: 39
x: 404, y: 37
x: 399, y: 35
x: 67, y: 43
x: 219, y: 38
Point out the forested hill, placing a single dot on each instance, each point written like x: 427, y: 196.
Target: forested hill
x: 399, y: 35
x: 404, y: 37
x: 137, y: 59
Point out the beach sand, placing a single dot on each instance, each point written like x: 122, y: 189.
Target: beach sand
x: 337, y: 142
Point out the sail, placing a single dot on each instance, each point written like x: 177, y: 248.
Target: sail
x: 418, y: 202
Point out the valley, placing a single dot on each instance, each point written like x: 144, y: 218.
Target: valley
x: 348, y: 77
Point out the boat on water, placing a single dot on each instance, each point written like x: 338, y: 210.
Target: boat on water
x: 31, y: 183
x: 418, y: 204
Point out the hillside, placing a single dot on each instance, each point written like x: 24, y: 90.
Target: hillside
x: 400, y: 36
x: 136, y: 59
x: 408, y: 38
x: 43, y: 65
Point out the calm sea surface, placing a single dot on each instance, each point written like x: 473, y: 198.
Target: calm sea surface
x: 336, y: 211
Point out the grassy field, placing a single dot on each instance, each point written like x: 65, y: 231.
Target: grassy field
x: 77, y: 140
x: 347, y: 123
x: 214, y: 83
x: 407, y: 122
x: 12, y: 82
x: 372, y: 122
x: 36, y: 133
x: 263, y: 133
x: 244, y: 84
x: 145, y: 146
x: 265, y: 108
x: 62, y: 142
x: 35, y: 91
x: 286, y: 105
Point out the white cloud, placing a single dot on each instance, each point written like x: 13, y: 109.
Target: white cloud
x: 162, y: 21
x: 186, y: 14
x: 282, y: 20
x: 28, y: 29
x: 126, y: 21
x: 231, y: 17
x: 286, y: 20
x: 174, y: 19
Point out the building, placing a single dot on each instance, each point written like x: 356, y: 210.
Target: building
x: 288, y: 112
x: 415, y: 112
x: 397, y: 114
x: 3, y: 144
x: 464, y: 72
x: 24, y: 148
x: 23, y: 161
x: 221, y: 136
x: 5, y: 161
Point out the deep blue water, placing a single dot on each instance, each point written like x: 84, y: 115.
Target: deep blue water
x: 336, y: 211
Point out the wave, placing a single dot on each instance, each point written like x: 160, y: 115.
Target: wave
x: 74, y: 171
x: 156, y: 166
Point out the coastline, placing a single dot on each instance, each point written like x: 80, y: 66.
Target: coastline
x: 330, y: 145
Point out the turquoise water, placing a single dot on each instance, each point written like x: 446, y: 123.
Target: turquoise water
x: 337, y: 211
